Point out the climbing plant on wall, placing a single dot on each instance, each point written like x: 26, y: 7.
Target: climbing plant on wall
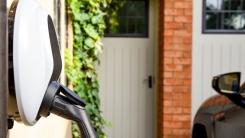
x: 88, y: 28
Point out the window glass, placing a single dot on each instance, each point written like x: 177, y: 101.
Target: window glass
x: 127, y: 18
x: 224, y: 16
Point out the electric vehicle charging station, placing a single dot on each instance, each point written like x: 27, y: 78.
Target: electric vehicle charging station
x: 34, y: 69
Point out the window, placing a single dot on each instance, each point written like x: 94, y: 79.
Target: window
x: 127, y: 18
x: 224, y: 16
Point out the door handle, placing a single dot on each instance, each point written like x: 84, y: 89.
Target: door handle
x: 149, y: 80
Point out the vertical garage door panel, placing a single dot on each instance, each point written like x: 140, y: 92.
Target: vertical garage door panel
x: 102, y: 74
x: 126, y: 93
x: 142, y: 97
x: 216, y: 62
x: 235, y: 57
x: 149, y: 101
x: 118, y: 93
x: 134, y: 92
x: 110, y: 86
x: 226, y: 59
x: 207, y: 68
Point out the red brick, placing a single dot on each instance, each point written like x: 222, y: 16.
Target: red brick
x: 187, y: 68
x: 185, y: 61
x: 172, y: 95
x: 177, y: 110
x: 184, y: 89
x: 187, y: 124
x: 187, y: 54
x: 173, y: 12
x: 182, y: 33
x: 172, y: 124
x: 168, y: 74
x: 186, y: 110
x: 167, y: 103
x: 168, y: 61
x: 173, y: 25
x: 168, y: 89
x: 168, y: 4
x: 188, y: 26
x: 182, y: 74
x: 188, y: 12
x: 173, y: 53
x: 167, y: 131
x: 188, y: 40
x: 182, y: 47
x: 168, y: 18
x: 183, y: 5
x: 187, y: 82
x: 168, y: 46
x: 171, y: 40
x: 187, y: 96
x: 183, y: 19
x: 172, y: 110
x: 181, y: 118
x: 175, y: 136
x: 182, y: 103
x: 168, y: 32
x: 182, y: 132
x: 173, y: 67
x: 173, y: 82
x: 167, y: 117
x: 168, y: 110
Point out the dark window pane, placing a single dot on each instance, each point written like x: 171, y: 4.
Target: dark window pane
x: 211, y: 21
x: 133, y: 5
x: 122, y: 25
x: 122, y: 8
x: 243, y: 4
x: 226, y: 4
x: 226, y: 16
x: 127, y: 18
x: 141, y: 25
x: 231, y: 5
x: 132, y: 26
x: 213, y: 4
x: 236, y: 5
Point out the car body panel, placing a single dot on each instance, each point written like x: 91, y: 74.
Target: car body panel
x: 221, y: 117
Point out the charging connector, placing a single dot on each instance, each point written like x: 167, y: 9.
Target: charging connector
x: 69, y: 106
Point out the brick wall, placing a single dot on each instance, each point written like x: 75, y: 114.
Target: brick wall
x: 174, y: 81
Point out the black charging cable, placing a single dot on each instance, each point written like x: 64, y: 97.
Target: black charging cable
x: 67, y: 105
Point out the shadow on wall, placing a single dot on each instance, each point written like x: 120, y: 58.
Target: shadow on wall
x: 51, y: 127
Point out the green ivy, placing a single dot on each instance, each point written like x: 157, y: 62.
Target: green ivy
x: 88, y: 29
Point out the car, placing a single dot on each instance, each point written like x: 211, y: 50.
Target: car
x: 222, y: 115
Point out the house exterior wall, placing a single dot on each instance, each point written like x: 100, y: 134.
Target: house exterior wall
x: 175, y: 64
x: 213, y: 54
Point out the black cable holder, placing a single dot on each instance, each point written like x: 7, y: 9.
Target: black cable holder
x: 67, y: 105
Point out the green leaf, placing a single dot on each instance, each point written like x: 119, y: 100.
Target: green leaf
x: 89, y: 42
x: 89, y: 29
